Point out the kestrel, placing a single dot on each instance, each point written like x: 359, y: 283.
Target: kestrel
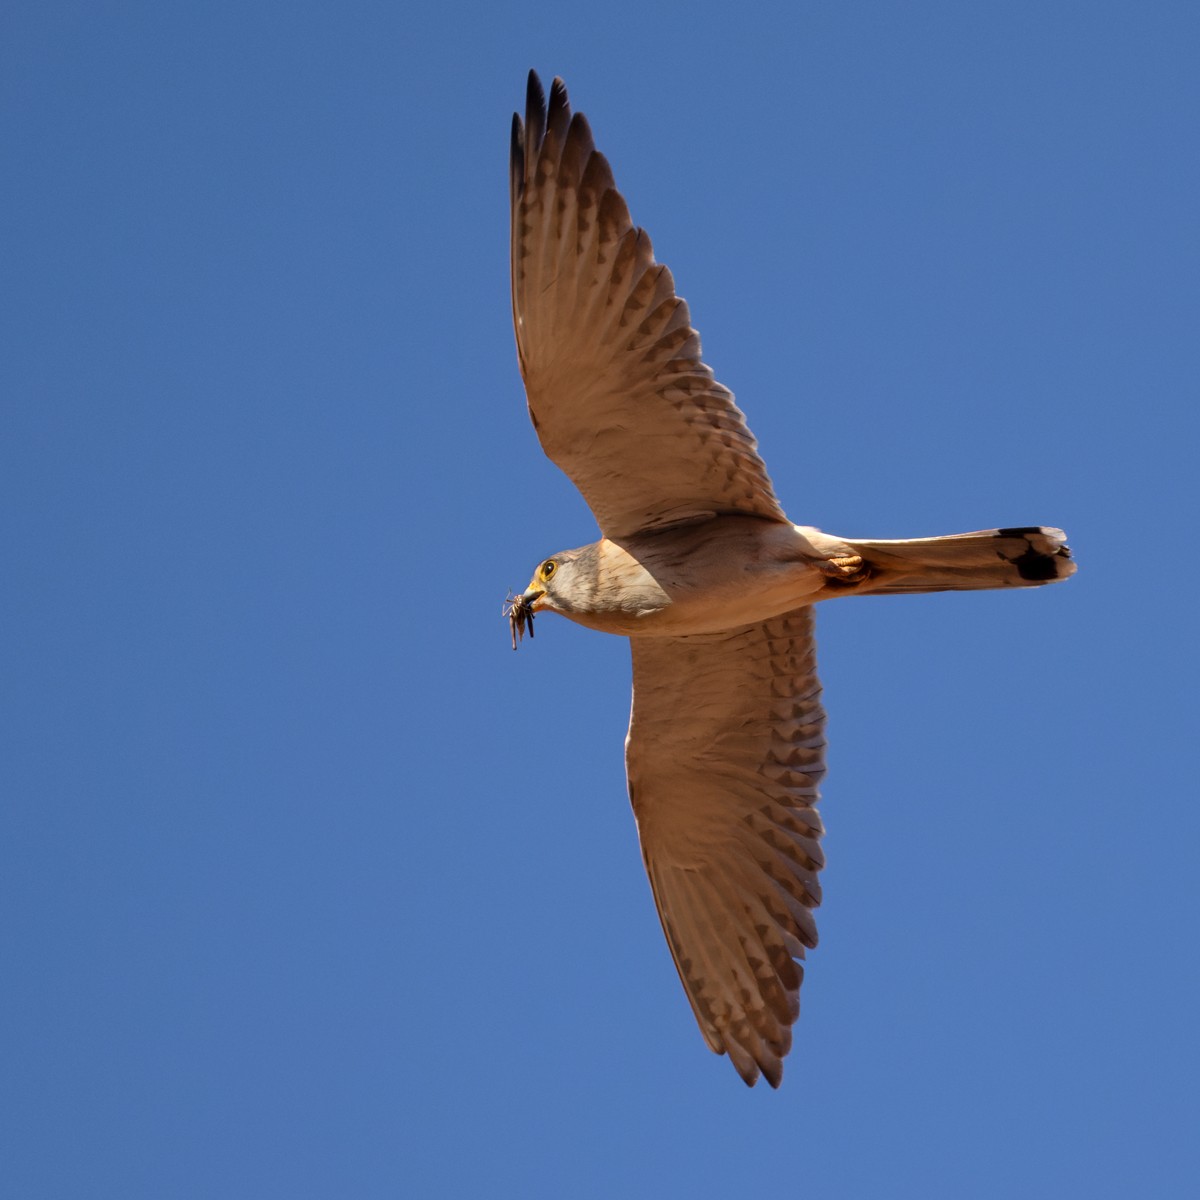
x: 714, y: 587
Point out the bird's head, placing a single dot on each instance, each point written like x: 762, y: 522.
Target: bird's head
x: 539, y: 596
x: 563, y: 583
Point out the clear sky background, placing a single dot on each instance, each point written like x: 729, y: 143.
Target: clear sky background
x: 309, y: 886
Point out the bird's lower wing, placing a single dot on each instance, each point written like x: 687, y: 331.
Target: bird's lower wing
x: 725, y: 751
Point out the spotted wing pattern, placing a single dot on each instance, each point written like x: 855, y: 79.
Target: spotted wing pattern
x: 618, y: 393
x: 725, y: 751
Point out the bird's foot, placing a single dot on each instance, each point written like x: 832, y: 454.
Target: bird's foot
x: 846, y: 568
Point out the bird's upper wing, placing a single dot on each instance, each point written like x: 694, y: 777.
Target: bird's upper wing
x: 725, y: 750
x: 619, y: 395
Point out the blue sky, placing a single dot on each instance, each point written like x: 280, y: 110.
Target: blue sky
x: 311, y: 887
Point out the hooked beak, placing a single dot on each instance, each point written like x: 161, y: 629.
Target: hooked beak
x: 530, y: 597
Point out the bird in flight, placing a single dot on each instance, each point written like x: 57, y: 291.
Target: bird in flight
x: 713, y: 585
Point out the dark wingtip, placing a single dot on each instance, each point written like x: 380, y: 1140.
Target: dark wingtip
x: 535, y: 111
x: 558, y: 97
x: 516, y: 158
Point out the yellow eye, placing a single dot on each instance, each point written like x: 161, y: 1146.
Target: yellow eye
x: 548, y: 568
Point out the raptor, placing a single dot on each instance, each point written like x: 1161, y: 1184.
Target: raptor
x: 704, y: 573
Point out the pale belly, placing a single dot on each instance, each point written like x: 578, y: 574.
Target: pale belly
x: 725, y: 573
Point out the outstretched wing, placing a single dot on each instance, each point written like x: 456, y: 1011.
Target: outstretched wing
x: 619, y: 395
x: 725, y: 750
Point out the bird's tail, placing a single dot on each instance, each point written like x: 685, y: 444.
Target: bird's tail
x: 991, y: 558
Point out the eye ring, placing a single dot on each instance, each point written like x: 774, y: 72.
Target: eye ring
x: 548, y: 568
